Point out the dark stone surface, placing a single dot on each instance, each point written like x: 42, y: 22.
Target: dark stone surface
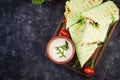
x: 25, y: 30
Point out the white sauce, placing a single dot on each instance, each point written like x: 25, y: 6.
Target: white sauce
x: 53, y: 51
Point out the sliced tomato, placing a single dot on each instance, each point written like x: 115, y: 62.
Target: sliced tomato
x: 65, y: 33
x: 89, y: 70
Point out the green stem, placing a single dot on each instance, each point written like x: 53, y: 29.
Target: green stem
x: 76, y: 63
x: 92, y: 64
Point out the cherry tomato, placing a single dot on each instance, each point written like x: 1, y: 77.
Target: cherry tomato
x: 65, y: 33
x: 89, y: 70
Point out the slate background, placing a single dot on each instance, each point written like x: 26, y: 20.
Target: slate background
x: 25, y: 30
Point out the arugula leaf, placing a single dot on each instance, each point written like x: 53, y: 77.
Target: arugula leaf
x: 65, y: 46
x: 63, y: 55
x: 60, y: 49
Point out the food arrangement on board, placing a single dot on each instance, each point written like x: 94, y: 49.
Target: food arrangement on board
x: 86, y: 28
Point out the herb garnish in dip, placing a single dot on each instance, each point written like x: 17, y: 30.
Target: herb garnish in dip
x: 60, y: 50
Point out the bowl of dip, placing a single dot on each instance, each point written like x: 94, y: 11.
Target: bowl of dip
x: 60, y: 50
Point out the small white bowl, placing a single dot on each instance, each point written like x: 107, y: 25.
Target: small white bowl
x: 52, y: 52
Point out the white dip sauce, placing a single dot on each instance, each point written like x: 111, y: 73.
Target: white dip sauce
x: 53, y: 51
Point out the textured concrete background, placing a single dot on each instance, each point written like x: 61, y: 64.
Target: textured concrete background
x: 25, y: 30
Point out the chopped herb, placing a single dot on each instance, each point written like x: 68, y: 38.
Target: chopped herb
x: 60, y: 49
x: 95, y: 24
x: 82, y: 20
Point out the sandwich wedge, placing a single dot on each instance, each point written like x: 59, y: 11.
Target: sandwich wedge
x: 77, y: 6
x: 86, y: 34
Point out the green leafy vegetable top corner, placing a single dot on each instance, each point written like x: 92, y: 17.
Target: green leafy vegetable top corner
x: 38, y: 2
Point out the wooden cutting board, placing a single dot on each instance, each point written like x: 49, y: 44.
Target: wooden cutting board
x: 97, y: 54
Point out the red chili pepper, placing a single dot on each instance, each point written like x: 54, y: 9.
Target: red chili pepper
x: 89, y: 69
x: 65, y: 33
x: 64, y: 21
